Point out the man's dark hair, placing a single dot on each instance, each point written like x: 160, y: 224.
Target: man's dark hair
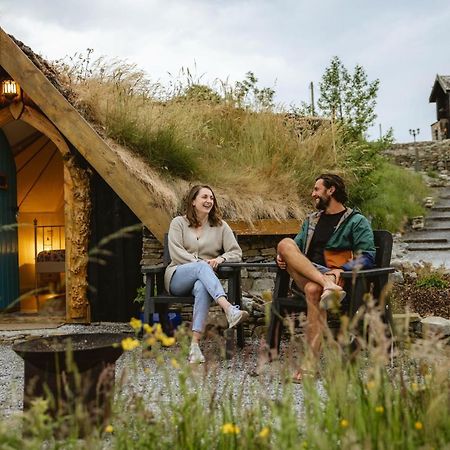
x: 333, y: 180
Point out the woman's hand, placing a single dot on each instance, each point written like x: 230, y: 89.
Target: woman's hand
x: 214, y: 263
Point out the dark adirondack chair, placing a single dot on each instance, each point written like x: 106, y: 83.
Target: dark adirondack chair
x: 158, y: 300
x: 356, y: 285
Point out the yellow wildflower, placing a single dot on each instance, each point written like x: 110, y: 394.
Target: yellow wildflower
x: 379, y: 409
x: 129, y: 343
x: 265, y: 431
x: 371, y: 384
x: 230, y: 428
x: 418, y: 425
x: 136, y: 324
x: 174, y: 363
x: 158, y: 328
x: 109, y: 429
x: 345, y: 423
x: 167, y: 341
x: 151, y: 341
x: 147, y: 328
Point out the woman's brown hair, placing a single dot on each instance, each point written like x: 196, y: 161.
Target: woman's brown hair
x: 214, y: 216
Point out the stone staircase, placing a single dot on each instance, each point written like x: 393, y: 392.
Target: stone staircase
x: 432, y: 243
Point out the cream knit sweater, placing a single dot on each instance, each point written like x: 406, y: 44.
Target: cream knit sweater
x: 185, y: 247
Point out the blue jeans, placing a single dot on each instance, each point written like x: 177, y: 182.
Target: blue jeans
x: 198, y: 279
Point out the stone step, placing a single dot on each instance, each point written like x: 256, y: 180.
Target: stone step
x: 428, y: 248
x: 437, y: 218
x: 441, y: 208
x: 430, y: 240
x: 435, y: 229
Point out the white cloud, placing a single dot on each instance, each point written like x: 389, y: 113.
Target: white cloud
x: 403, y: 43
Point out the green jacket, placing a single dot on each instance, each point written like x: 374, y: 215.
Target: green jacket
x: 350, y: 245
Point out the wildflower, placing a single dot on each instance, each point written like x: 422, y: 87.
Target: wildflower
x: 418, y: 425
x: 147, y: 370
x: 148, y: 328
x: 265, y: 431
x: 230, y: 428
x: 151, y: 341
x: 129, y: 343
x: 379, y: 409
x: 109, y: 429
x: 414, y: 387
x: 344, y: 423
x: 174, y: 363
x: 136, y: 324
x: 371, y: 384
x: 167, y: 341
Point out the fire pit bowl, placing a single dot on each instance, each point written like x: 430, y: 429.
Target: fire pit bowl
x: 71, y: 370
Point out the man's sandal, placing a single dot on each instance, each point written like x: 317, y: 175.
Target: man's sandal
x: 331, y: 298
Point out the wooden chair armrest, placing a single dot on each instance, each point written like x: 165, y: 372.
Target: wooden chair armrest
x: 250, y: 265
x: 368, y: 272
x: 153, y: 269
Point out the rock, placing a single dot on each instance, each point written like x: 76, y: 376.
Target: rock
x: 263, y: 284
x: 396, y: 277
x: 435, y: 325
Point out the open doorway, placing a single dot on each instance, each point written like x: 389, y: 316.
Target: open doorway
x: 40, y: 218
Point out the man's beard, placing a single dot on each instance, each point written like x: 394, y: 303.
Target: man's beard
x: 323, y: 203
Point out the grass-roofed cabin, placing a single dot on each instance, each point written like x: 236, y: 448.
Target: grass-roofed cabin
x: 66, y: 189
x: 86, y: 154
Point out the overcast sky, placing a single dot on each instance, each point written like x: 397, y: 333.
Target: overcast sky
x: 287, y: 44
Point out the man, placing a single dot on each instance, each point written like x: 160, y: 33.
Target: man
x: 334, y: 239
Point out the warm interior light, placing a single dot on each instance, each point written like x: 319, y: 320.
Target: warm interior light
x: 10, y: 89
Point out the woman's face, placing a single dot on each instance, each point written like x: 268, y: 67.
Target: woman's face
x: 203, y: 202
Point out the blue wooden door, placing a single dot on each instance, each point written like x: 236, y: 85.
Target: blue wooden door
x: 9, y: 263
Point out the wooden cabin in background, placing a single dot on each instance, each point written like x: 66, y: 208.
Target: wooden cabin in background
x: 440, y: 94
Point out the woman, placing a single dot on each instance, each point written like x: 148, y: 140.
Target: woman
x: 198, y: 242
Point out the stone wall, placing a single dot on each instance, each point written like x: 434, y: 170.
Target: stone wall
x: 432, y: 155
x: 254, y: 248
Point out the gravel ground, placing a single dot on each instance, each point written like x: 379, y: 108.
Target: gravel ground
x: 152, y: 379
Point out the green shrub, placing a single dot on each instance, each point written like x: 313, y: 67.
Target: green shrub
x: 434, y: 280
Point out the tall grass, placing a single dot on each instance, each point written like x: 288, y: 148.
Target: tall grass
x: 362, y: 400
x: 260, y: 162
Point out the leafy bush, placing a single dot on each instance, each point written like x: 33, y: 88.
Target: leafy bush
x: 432, y: 280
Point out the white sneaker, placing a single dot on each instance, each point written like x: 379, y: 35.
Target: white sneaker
x: 235, y: 316
x: 195, y: 354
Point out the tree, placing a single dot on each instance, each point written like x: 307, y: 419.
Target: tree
x: 350, y: 97
x: 247, y: 94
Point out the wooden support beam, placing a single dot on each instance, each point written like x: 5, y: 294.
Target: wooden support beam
x: 83, y: 137
x: 42, y: 124
x: 265, y: 227
x: 5, y: 116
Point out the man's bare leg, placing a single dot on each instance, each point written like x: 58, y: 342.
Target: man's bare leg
x: 312, y: 282
x: 298, y: 265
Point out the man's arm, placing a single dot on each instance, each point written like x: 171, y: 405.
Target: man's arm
x: 363, y: 245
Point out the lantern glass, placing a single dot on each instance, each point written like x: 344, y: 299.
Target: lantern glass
x: 10, y: 88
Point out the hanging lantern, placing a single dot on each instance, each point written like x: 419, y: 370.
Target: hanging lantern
x: 10, y: 89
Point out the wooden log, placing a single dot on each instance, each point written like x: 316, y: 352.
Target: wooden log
x: 265, y: 227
